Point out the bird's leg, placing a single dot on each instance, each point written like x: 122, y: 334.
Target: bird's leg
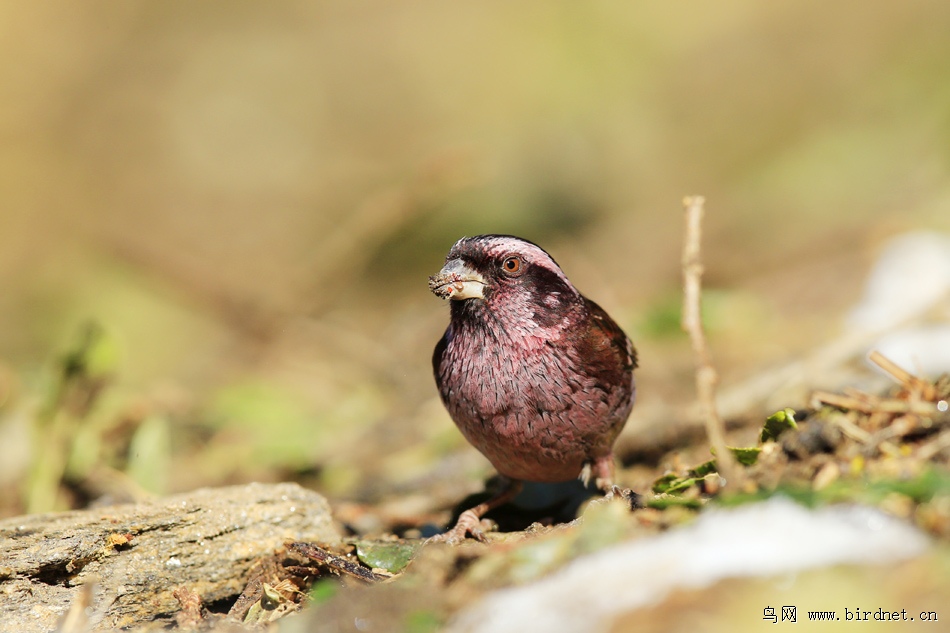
x: 602, y: 470
x: 470, y: 521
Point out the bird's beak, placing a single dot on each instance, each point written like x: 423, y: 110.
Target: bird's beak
x: 457, y: 280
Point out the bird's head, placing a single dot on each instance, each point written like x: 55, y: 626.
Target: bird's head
x: 504, y: 274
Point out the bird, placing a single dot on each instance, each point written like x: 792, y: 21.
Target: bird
x: 535, y: 375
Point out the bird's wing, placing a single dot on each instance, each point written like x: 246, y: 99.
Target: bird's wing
x: 606, y: 346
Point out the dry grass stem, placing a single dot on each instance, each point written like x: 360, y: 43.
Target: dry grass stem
x: 706, y: 375
x: 918, y: 387
x: 866, y: 403
x: 914, y: 410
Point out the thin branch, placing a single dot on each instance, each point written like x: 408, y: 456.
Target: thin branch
x: 706, y: 375
x: 910, y: 382
x: 336, y: 563
x: 870, y: 404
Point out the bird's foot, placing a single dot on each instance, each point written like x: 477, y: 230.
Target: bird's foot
x: 471, y: 523
x: 468, y: 524
x: 631, y: 498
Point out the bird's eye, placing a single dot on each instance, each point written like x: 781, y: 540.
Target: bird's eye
x: 512, y: 265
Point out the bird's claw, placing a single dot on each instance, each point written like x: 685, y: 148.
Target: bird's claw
x: 613, y: 491
x: 468, y: 524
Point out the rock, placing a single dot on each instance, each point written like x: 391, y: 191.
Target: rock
x: 134, y: 556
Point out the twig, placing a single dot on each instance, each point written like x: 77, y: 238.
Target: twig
x: 892, y: 368
x: 336, y: 563
x: 870, y: 404
x: 852, y: 430
x: 872, y: 442
x: 706, y: 376
x: 910, y: 382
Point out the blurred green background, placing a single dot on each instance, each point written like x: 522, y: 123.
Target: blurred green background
x: 218, y: 218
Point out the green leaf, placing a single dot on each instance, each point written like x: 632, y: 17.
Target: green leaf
x: 778, y: 423
x: 703, y: 469
x: 746, y: 456
x: 671, y: 484
x: 672, y: 501
x: 393, y: 556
